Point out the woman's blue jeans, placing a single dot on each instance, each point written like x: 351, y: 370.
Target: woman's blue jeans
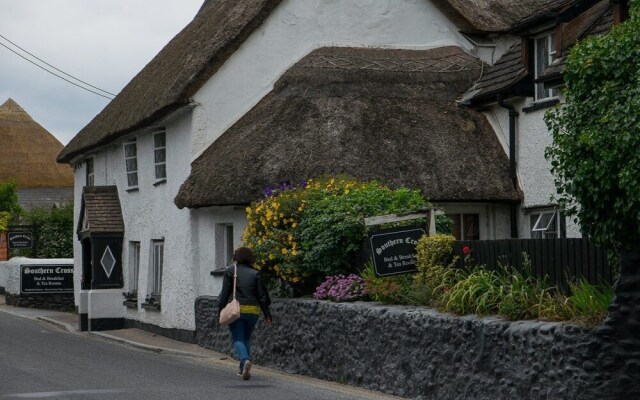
x: 241, y: 335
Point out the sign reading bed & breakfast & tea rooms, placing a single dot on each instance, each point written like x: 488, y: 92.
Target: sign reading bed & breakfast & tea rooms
x: 394, y: 249
x: 39, y: 278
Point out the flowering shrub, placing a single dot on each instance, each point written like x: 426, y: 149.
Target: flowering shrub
x: 304, y: 232
x: 341, y: 288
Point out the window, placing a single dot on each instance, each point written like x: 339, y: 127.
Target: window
x: 89, y: 168
x: 545, y: 53
x: 466, y: 226
x: 157, y: 260
x: 224, y: 245
x: 134, y: 266
x: 547, y: 225
x: 131, y: 163
x: 160, y: 153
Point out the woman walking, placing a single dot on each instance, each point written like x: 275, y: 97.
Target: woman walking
x: 253, y: 297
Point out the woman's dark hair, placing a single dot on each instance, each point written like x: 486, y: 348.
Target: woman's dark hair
x: 244, y: 256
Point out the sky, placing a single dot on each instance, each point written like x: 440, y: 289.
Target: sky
x: 105, y: 43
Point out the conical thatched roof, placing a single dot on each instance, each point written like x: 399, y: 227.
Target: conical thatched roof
x: 388, y: 115
x: 176, y: 73
x: 28, y: 151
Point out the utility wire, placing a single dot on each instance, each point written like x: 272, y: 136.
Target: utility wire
x: 53, y: 73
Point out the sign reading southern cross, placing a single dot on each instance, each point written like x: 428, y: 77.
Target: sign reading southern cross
x: 46, y: 278
x: 394, y: 250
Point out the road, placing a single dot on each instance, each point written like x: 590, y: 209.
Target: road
x: 41, y: 361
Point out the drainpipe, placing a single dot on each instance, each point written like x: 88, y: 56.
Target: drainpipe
x: 512, y: 161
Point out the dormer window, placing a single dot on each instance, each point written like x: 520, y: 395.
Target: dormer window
x: 545, y: 53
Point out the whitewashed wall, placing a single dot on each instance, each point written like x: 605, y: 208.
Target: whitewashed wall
x: 293, y: 30
x: 150, y: 214
x: 533, y: 170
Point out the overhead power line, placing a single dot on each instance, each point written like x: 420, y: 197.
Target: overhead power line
x: 108, y: 95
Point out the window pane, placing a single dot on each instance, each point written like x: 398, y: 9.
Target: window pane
x: 456, y: 225
x: 161, y: 171
x: 471, y: 225
x: 132, y: 179
x: 229, y: 243
x: 159, y: 140
x: 131, y: 164
x: 130, y: 150
x: 160, y: 156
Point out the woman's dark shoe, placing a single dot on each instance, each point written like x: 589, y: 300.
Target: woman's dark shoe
x: 246, y: 370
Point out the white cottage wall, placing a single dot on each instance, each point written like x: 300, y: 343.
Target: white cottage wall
x: 150, y: 214
x: 294, y: 29
x: 208, y: 258
x: 533, y: 170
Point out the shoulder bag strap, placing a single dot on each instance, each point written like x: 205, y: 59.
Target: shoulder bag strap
x: 235, y: 276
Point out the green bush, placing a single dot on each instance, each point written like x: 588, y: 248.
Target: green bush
x: 397, y: 289
x: 303, y: 233
x: 595, y: 154
x: 54, y: 233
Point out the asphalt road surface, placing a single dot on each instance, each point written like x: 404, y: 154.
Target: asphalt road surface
x: 39, y: 361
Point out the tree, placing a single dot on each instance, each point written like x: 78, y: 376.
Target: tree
x: 595, y: 154
x: 9, y: 206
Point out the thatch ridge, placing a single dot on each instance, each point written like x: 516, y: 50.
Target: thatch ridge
x: 338, y: 112
x: 168, y: 81
x: 475, y: 16
x: 28, y: 151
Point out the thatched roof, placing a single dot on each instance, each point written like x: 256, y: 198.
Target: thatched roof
x: 388, y: 115
x: 28, y: 151
x: 175, y: 74
x: 475, y: 16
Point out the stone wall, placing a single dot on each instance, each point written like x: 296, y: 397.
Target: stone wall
x: 60, y: 302
x: 415, y: 351
x: 420, y: 353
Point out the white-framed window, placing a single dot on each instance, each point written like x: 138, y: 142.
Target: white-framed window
x: 546, y: 224
x: 466, y: 226
x: 134, y: 266
x: 224, y: 245
x: 160, y: 153
x: 131, y: 163
x: 157, y: 263
x: 544, y: 54
x: 88, y: 164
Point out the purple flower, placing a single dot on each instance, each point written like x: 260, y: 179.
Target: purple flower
x: 341, y: 288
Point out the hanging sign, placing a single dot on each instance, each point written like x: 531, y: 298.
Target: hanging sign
x: 20, y: 240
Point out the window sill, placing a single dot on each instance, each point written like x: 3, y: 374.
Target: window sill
x: 151, y: 306
x: 540, y: 105
x: 160, y: 182
x: 133, y: 189
x: 130, y: 303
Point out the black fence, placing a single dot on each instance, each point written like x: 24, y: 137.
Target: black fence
x: 562, y: 260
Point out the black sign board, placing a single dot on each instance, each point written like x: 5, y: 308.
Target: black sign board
x: 394, y: 250
x: 41, y: 278
x: 20, y: 240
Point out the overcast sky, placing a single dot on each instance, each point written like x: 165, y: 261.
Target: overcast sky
x: 102, y: 42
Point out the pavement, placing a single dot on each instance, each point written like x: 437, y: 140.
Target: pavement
x: 138, y: 338
x: 144, y: 340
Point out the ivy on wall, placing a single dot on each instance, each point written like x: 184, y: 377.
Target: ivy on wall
x: 595, y: 154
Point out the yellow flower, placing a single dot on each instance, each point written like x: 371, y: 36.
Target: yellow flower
x: 284, y: 251
x: 294, y: 225
x: 294, y: 252
x: 271, y: 256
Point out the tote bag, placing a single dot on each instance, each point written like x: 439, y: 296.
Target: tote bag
x: 231, y: 311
